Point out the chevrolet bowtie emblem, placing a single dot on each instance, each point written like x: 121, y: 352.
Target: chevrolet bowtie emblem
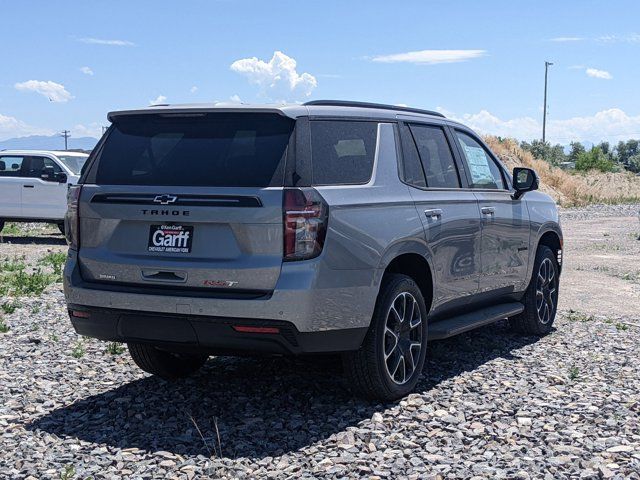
x: 165, y: 199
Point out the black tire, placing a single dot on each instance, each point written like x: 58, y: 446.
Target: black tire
x: 367, y: 369
x: 61, y: 227
x: 1, y: 225
x: 167, y: 365
x: 541, y: 298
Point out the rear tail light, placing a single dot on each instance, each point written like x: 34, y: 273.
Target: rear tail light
x: 72, y: 217
x: 305, y: 215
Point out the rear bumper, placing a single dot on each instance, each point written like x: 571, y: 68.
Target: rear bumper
x: 211, y: 335
x: 309, y: 296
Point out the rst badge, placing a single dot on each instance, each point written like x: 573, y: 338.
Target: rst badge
x: 170, y: 238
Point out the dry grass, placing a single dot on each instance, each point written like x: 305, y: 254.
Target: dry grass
x: 570, y: 188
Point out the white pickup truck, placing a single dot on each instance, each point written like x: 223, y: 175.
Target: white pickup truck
x: 34, y: 183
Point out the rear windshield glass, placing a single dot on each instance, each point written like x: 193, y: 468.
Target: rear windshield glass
x: 241, y: 150
x: 342, y: 152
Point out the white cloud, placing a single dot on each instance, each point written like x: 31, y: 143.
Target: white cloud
x: 193, y: 89
x: 567, y: 39
x: 611, y: 125
x: 93, y: 129
x: 595, y: 73
x: 629, y: 38
x: 101, y: 41
x: 52, y: 90
x: 278, y: 78
x: 86, y: 71
x: 235, y: 98
x: 429, y: 57
x: 159, y: 99
x: 11, y: 127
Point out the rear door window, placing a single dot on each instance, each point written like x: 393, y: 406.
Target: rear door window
x: 34, y: 166
x: 216, y: 150
x: 342, y: 151
x: 10, y: 166
x: 485, y: 173
x: 437, y: 160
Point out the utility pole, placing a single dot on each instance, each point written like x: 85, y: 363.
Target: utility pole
x: 66, y: 134
x: 544, y: 113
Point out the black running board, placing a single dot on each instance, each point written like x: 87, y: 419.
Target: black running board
x: 468, y: 321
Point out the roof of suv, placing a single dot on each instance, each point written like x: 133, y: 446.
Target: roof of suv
x: 44, y: 152
x: 339, y: 108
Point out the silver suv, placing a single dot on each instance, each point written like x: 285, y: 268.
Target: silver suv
x: 332, y: 226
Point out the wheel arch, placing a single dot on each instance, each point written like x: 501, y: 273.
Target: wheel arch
x: 411, y: 259
x: 551, y: 237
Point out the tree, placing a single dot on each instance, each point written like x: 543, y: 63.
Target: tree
x: 626, y: 150
x: 576, y: 149
x: 594, y: 159
x: 633, y: 163
x: 539, y: 149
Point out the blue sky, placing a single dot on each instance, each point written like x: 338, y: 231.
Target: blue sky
x: 66, y: 64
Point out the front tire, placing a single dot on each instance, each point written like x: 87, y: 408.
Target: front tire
x: 167, y: 365
x: 61, y: 227
x: 389, y: 362
x: 541, y: 298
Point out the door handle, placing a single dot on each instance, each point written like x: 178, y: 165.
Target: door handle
x: 29, y: 186
x: 433, y: 213
x: 488, y: 210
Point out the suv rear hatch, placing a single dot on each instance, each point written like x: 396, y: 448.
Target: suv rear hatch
x: 186, y: 202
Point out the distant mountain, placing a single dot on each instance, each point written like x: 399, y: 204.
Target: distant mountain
x: 42, y: 142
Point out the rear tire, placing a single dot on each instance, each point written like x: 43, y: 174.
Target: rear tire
x: 167, y: 365
x: 61, y: 227
x: 389, y: 362
x: 541, y: 298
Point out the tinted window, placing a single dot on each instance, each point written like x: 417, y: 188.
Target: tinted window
x: 484, y: 171
x: 437, y: 160
x: 411, y: 171
x: 208, y: 150
x: 35, y: 166
x: 10, y: 166
x: 342, y: 152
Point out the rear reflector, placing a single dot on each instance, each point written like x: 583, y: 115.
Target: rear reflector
x: 80, y: 314
x: 249, y: 329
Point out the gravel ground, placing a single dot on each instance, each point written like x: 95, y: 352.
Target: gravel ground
x: 491, y: 404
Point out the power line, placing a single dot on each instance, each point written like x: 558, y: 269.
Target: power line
x: 66, y: 134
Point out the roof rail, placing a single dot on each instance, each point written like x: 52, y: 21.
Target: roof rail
x: 381, y: 106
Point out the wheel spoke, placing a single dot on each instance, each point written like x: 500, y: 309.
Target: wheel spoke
x: 387, y: 331
x: 409, y: 316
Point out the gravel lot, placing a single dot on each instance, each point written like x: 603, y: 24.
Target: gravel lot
x: 491, y: 404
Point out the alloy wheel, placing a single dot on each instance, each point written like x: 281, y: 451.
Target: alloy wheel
x: 403, y: 338
x: 546, y: 291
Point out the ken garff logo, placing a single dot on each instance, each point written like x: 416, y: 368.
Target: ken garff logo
x: 165, y: 199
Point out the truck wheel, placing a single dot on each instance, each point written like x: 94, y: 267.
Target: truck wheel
x: 389, y: 362
x: 541, y: 298
x: 164, y: 364
x: 61, y: 227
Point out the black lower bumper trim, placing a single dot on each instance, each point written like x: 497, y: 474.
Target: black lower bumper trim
x: 212, y: 335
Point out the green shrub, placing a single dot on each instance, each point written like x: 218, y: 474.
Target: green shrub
x: 12, y: 265
x: 9, y: 308
x: 594, y: 159
x: 4, y: 328
x: 115, y: 348
x: 56, y: 261
x: 23, y: 283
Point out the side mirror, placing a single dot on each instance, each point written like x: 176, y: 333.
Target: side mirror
x: 524, y: 180
x: 48, y: 174
x: 61, y: 177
